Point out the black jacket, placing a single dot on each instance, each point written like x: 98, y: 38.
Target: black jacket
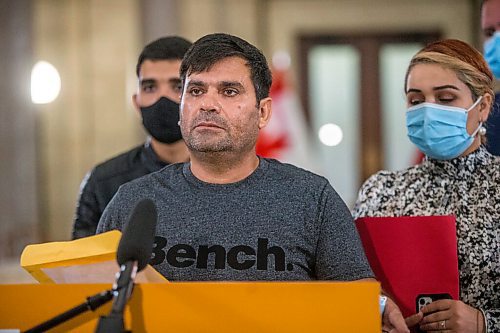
x: 102, y: 182
x: 493, y: 128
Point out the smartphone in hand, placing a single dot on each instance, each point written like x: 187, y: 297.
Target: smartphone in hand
x: 425, y: 299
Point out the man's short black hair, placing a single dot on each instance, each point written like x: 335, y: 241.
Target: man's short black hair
x: 210, y: 49
x: 165, y: 48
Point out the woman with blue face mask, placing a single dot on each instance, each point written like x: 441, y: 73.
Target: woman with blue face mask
x: 490, y: 27
x: 449, y: 93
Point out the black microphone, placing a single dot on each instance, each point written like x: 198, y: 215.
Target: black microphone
x: 136, y: 243
x: 133, y: 254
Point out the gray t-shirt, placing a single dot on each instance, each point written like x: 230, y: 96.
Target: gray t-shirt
x: 280, y: 223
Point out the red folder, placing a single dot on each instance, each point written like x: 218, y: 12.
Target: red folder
x: 412, y: 256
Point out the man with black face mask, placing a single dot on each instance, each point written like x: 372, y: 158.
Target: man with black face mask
x: 157, y: 100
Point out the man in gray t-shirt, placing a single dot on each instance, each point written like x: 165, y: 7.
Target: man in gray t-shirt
x: 279, y: 223
x: 228, y: 214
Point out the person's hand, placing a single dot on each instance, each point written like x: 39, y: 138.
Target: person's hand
x: 414, y: 319
x: 451, y: 316
x: 392, y: 319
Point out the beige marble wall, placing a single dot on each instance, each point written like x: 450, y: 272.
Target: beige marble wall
x: 288, y: 18
x: 18, y: 156
x: 94, y: 45
x: 274, y: 25
x: 238, y: 17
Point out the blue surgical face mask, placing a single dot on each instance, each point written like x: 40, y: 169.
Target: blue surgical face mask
x: 440, y: 131
x: 492, y: 54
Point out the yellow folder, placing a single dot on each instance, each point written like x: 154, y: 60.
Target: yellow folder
x: 86, y: 260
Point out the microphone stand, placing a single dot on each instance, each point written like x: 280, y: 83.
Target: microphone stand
x: 121, y: 292
x: 113, y: 323
x: 92, y: 303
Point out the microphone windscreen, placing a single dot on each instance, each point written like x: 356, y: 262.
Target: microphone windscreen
x: 136, y: 243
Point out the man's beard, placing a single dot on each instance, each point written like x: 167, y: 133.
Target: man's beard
x: 201, y: 143
x: 224, y: 141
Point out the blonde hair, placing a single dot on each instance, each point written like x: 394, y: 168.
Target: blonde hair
x: 478, y: 82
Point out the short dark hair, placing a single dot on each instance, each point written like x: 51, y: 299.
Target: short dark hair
x: 165, y: 48
x: 210, y: 49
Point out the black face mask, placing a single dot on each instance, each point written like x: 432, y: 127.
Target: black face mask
x: 161, y: 120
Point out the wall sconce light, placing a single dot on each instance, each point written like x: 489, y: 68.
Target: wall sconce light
x: 45, y: 83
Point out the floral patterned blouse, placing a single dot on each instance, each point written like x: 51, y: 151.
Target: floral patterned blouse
x: 467, y: 187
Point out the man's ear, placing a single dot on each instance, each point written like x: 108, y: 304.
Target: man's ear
x: 136, y: 105
x: 265, y: 111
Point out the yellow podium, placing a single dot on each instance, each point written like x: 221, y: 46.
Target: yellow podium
x: 205, y: 307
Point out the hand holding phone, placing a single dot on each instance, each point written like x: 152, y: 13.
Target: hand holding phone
x: 425, y: 299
